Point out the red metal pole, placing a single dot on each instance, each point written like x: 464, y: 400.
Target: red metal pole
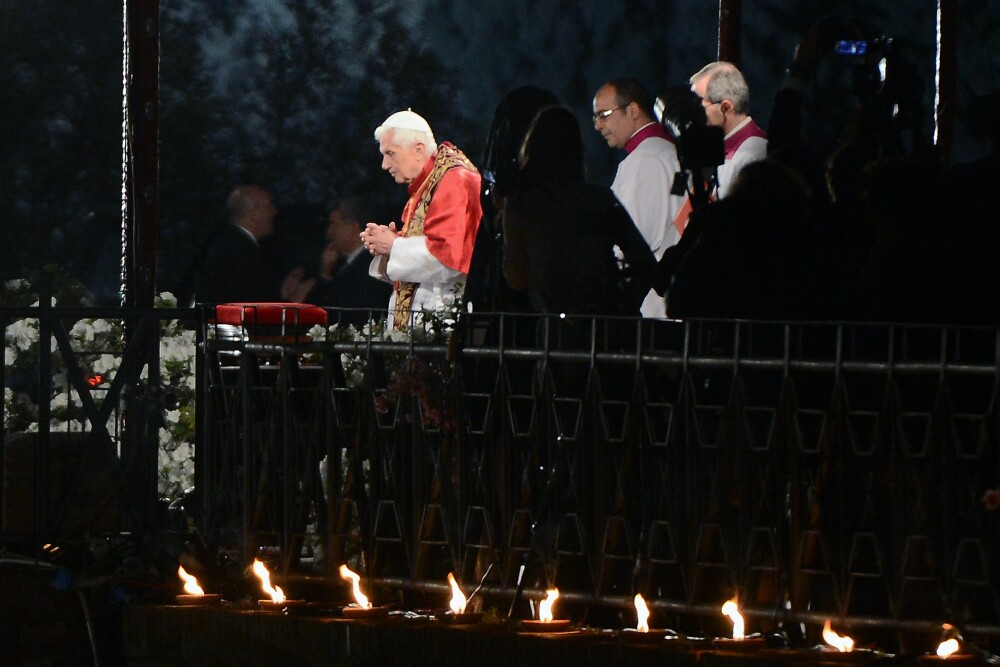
x: 142, y: 159
x: 730, y: 24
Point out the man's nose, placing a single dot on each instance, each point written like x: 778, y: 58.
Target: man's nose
x: 385, y: 162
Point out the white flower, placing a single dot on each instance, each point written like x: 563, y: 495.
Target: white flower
x: 173, y: 416
x: 83, y: 330
x: 9, y: 356
x: 105, y: 363
x: 317, y: 332
x: 182, y: 453
x: 23, y: 333
x: 397, y: 336
x: 166, y: 300
x: 178, y: 348
x: 101, y: 326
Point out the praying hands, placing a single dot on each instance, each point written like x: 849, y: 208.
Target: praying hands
x: 378, y: 239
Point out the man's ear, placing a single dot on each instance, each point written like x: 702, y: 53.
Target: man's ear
x: 420, y: 148
x: 726, y: 106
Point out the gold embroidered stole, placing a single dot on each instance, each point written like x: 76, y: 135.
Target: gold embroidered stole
x: 448, y: 157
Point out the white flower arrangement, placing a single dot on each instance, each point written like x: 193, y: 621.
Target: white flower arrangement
x: 426, y: 378
x: 98, y: 345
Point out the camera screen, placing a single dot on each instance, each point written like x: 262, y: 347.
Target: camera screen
x: 847, y: 47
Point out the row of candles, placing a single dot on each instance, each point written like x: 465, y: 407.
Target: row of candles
x: 948, y: 650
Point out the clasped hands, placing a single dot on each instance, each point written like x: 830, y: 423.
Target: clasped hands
x: 378, y: 239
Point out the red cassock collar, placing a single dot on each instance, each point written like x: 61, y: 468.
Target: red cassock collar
x: 650, y: 130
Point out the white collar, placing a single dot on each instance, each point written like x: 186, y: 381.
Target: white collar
x: 739, y: 127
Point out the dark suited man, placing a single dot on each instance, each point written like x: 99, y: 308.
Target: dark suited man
x: 233, y: 269
x: 344, y: 279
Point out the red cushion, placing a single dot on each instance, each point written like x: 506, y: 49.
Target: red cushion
x: 291, y: 314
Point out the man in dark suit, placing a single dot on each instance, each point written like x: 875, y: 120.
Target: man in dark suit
x: 344, y: 279
x: 233, y: 269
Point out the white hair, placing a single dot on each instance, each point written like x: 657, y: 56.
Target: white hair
x: 406, y: 137
x: 725, y: 82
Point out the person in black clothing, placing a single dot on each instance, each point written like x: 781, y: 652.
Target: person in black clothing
x: 487, y: 290
x: 234, y: 267
x: 749, y: 255
x: 344, y: 280
x: 561, y: 231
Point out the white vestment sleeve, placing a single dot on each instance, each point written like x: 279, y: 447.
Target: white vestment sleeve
x: 377, y: 268
x: 411, y: 261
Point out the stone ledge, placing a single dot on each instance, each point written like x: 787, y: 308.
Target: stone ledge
x: 164, y: 636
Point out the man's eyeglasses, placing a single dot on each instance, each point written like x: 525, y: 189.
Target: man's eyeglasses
x: 602, y: 115
x: 709, y: 102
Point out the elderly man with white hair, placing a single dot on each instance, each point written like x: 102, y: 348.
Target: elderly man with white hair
x: 427, y: 258
x: 725, y: 96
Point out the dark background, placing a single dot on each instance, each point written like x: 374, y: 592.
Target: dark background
x: 286, y: 93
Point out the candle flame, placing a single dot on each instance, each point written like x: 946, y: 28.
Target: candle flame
x: 457, y: 597
x: 642, y: 614
x: 947, y: 647
x: 545, y: 606
x: 345, y: 573
x: 843, y: 644
x: 191, y: 586
x: 730, y: 609
x: 277, y: 595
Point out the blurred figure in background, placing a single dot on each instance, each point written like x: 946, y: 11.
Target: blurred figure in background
x: 234, y: 268
x: 343, y: 276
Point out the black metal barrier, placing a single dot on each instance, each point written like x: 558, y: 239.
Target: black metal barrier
x: 84, y: 404
x: 814, y: 471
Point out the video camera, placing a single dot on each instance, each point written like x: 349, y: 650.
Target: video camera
x: 873, y: 60
x: 699, y: 145
x: 889, y: 88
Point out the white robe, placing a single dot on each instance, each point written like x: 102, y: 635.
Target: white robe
x: 751, y: 150
x: 642, y: 184
x: 440, y: 287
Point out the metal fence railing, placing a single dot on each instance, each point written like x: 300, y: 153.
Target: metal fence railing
x: 812, y: 470
x: 98, y: 421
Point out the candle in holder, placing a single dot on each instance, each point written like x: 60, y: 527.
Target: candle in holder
x: 642, y: 631
x: 193, y: 592
x: 546, y: 621
x: 362, y: 608
x: 948, y: 654
x: 277, y: 596
x: 843, y: 644
x: 739, y: 641
x: 457, y: 614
